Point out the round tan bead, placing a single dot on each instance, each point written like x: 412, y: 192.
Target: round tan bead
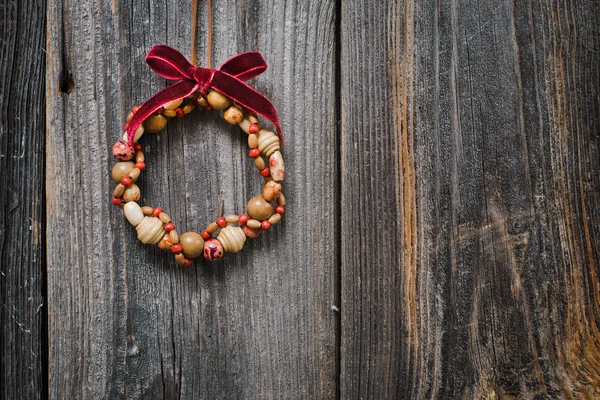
x: 232, y: 238
x: 218, y: 101
x: 268, y: 142
x: 121, y: 169
x: 252, y: 141
x: 275, y: 218
x: 174, y: 236
x: 192, y: 244
x: 139, y: 156
x: 233, y: 115
x: 232, y: 219
x: 212, y: 227
x: 254, y: 224
x: 259, y: 208
x: 180, y: 259
x: 259, y: 162
x: 271, y: 191
x: 173, y: 104
x: 119, y: 189
x: 147, y: 210
x: 164, y: 217
x: 165, y: 243
x: 150, y: 230
x: 132, y: 193
x: 245, y: 125
x: 155, y: 123
x: 134, y: 174
x: 133, y: 213
x: 281, y: 200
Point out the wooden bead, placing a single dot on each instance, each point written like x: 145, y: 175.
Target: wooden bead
x: 132, y: 193
x: 275, y: 218
x: 155, y: 123
x: 268, y: 142
x: 147, y: 210
x: 281, y: 200
x: 139, y: 157
x: 232, y: 219
x: 170, y: 113
x: 134, y: 174
x: 203, y: 102
x: 254, y: 224
x: 212, y: 227
x: 218, y: 101
x: 245, y: 125
x: 259, y: 208
x: 213, y: 249
x: 133, y: 213
x: 122, y: 151
x: 119, y: 189
x: 233, y: 115
x: 232, y: 238
x: 121, y: 169
x: 138, y: 135
x: 174, y: 236
x: 150, y: 230
x: 164, y: 217
x: 252, y: 141
x: 271, y: 191
x: 165, y: 243
x: 129, y: 117
x: 173, y: 104
x: 252, y: 117
x: 276, y: 166
x: 192, y: 244
x: 180, y: 259
x: 189, y: 108
x: 259, y: 162
x: 251, y: 232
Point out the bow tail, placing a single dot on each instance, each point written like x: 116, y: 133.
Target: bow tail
x: 247, y: 97
x: 176, y: 91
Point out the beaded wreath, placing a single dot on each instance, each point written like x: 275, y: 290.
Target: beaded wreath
x: 222, y: 89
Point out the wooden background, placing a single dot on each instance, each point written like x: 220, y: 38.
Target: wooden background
x: 442, y: 233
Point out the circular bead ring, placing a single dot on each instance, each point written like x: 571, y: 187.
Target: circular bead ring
x: 226, y: 234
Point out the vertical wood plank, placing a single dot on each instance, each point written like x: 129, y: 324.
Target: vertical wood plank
x: 470, y: 163
x: 124, y: 320
x: 22, y: 258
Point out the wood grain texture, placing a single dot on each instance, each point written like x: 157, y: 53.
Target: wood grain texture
x: 124, y: 320
x: 22, y: 257
x: 470, y: 199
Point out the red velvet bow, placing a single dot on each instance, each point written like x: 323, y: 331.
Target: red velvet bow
x: 228, y: 80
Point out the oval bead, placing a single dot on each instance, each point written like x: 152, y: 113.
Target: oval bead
x: 268, y: 142
x: 138, y: 135
x: 173, y: 104
x: 121, y: 169
x: 150, y: 230
x: 155, y: 123
x: 245, y: 125
x: 133, y: 213
x: 232, y: 238
x: 276, y: 166
x: 192, y: 244
x: 218, y: 101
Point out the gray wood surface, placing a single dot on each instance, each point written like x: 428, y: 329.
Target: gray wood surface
x: 124, y: 320
x: 22, y: 256
x: 470, y: 200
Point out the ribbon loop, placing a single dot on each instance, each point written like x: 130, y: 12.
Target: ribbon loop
x: 228, y: 80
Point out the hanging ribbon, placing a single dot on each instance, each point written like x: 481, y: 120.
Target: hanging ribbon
x: 227, y: 80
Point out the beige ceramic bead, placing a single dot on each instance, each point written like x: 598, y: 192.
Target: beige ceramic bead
x: 233, y: 115
x: 276, y: 166
x: 252, y: 141
x: 174, y: 236
x: 133, y: 213
x: 212, y: 227
x: 232, y: 219
x: 119, y: 189
x: 147, y: 210
x: 121, y: 169
x: 271, y: 191
x: 132, y: 193
x: 254, y: 224
x: 134, y: 174
x: 139, y: 156
x: 268, y: 142
x: 259, y: 162
x: 281, y: 200
x: 232, y: 238
x: 129, y: 117
x: 155, y: 123
x: 180, y: 259
x: 173, y: 104
x: 165, y: 243
x: 192, y: 244
x: 150, y: 230
x: 164, y: 217
x: 138, y: 134
x: 252, y: 118
x: 275, y: 218
x: 259, y: 208
x: 218, y: 101
x: 245, y: 125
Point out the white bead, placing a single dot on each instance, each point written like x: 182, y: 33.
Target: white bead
x: 245, y: 125
x: 133, y: 213
x: 276, y: 166
x: 268, y: 142
x: 150, y: 230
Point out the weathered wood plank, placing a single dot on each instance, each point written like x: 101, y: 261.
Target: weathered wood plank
x: 22, y: 258
x: 123, y: 320
x: 470, y: 199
